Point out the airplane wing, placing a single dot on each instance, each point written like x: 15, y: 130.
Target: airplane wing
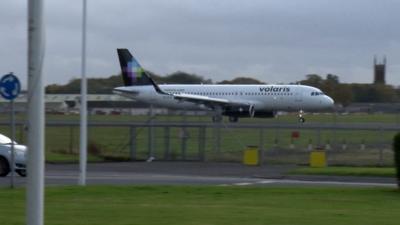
x: 207, y: 101
x: 200, y: 99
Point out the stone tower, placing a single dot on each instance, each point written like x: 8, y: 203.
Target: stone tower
x: 379, y: 71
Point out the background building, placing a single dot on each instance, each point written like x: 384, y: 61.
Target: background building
x: 379, y: 71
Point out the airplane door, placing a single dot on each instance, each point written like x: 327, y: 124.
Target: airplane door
x: 298, y: 99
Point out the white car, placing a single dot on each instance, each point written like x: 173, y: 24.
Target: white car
x: 20, y: 156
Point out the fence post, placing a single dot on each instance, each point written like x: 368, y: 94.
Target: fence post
x: 21, y: 134
x: 344, y: 144
x: 291, y: 145
x: 310, y: 146
x: 202, y: 143
x: 132, y: 152
x: 318, y: 138
x: 276, y: 140
x: 334, y: 135
x: 151, y: 135
x: 261, y: 145
x: 381, y: 146
x: 167, y: 152
x: 184, y: 137
x: 362, y: 145
x: 381, y: 156
x: 328, y: 145
x: 71, y: 139
x: 217, y: 140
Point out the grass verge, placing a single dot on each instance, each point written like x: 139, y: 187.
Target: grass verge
x: 346, y: 171
x: 122, y: 205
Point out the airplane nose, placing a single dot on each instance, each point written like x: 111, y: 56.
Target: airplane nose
x: 329, y: 102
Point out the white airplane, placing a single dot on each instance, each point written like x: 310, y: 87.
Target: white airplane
x: 233, y: 101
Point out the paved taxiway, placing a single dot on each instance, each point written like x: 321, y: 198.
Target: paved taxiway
x: 193, y: 173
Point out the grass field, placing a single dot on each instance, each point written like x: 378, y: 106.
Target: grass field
x: 159, y: 205
x: 62, y: 143
x: 347, y: 171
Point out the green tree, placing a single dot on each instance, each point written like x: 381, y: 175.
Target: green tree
x: 332, y: 79
x: 180, y: 77
x: 374, y: 93
x: 242, y: 80
x: 342, y: 94
x: 106, y: 85
x: 313, y: 80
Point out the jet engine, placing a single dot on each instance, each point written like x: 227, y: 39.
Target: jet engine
x: 239, y: 110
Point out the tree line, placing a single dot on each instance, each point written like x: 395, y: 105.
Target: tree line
x: 343, y: 93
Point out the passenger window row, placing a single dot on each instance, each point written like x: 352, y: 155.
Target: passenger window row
x: 233, y: 93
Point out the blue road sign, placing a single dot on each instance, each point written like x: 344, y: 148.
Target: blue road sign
x: 9, y: 86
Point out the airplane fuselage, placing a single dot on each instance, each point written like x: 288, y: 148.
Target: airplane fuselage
x: 229, y: 100
x: 262, y: 97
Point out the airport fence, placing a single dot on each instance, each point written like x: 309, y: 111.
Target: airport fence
x: 364, y: 144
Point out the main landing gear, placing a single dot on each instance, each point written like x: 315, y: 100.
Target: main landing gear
x: 218, y: 118
x: 300, y: 117
x: 233, y: 119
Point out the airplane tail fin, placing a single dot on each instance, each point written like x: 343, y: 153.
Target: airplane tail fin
x: 132, y: 73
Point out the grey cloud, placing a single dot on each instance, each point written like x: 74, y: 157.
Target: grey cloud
x: 275, y: 41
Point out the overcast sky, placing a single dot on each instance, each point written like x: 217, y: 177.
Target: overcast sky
x: 276, y: 41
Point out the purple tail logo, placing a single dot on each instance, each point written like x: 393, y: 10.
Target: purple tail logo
x: 133, y: 70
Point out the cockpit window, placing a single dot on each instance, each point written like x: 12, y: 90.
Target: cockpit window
x: 315, y: 93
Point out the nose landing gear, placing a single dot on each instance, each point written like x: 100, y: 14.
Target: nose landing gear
x: 300, y: 116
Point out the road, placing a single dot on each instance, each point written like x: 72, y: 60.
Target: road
x: 193, y: 173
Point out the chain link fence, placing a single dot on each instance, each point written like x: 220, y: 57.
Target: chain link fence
x: 284, y: 143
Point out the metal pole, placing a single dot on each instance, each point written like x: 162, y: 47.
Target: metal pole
x: 398, y: 117
x: 133, y: 144
x: 12, y: 143
x: 318, y: 138
x: 21, y: 133
x: 35, y: 169
x: 276, y: 141
x: 334, y: 141
x: 261, y: 145
x: 151, y: 135
x: 261, y: 139
x: 202, y: 143
x: 167, y: 150
x: 71, y: 139
x: 183, y: 142
x: 381, y: 147
x: 217, y: 131
x: 83, y: 110
x: 217, y: 139
x: 183, y: 137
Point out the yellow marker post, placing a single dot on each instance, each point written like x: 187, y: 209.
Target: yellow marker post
x: 251, y: 156
x: 318, y: 159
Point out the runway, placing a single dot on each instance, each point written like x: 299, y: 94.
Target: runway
x: 186, y: 173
